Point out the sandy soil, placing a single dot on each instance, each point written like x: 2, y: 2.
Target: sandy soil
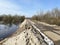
x: 51, y: 31
x: 25, y: 35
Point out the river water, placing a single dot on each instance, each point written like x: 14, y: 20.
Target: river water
x: 6, y: 30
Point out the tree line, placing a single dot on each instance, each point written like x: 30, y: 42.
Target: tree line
x: 9, y: 19
x: 51, y: 17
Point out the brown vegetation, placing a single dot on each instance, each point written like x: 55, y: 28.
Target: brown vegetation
x: 8, y: 19
x: 51, y: 17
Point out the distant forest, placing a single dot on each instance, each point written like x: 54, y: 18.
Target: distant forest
x: 51, y: 17
x: 9, y: 19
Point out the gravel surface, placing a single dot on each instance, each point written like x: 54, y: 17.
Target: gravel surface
x: 53, y: 32
x: 25, y: 35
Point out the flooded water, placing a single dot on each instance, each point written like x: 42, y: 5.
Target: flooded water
x: 6, y: 30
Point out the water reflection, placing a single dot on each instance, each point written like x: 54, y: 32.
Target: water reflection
x: 6, y: 30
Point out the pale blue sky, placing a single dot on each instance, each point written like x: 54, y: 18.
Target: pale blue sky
x: 27, y: 7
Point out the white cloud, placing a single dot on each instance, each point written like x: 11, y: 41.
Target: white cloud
x: 7, y: 7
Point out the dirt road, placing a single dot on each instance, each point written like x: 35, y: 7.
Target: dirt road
x: 49, y: 31
x: 25, y: 35
x: 28, y: 35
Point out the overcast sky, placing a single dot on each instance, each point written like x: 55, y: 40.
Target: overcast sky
x: 27, y: 7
